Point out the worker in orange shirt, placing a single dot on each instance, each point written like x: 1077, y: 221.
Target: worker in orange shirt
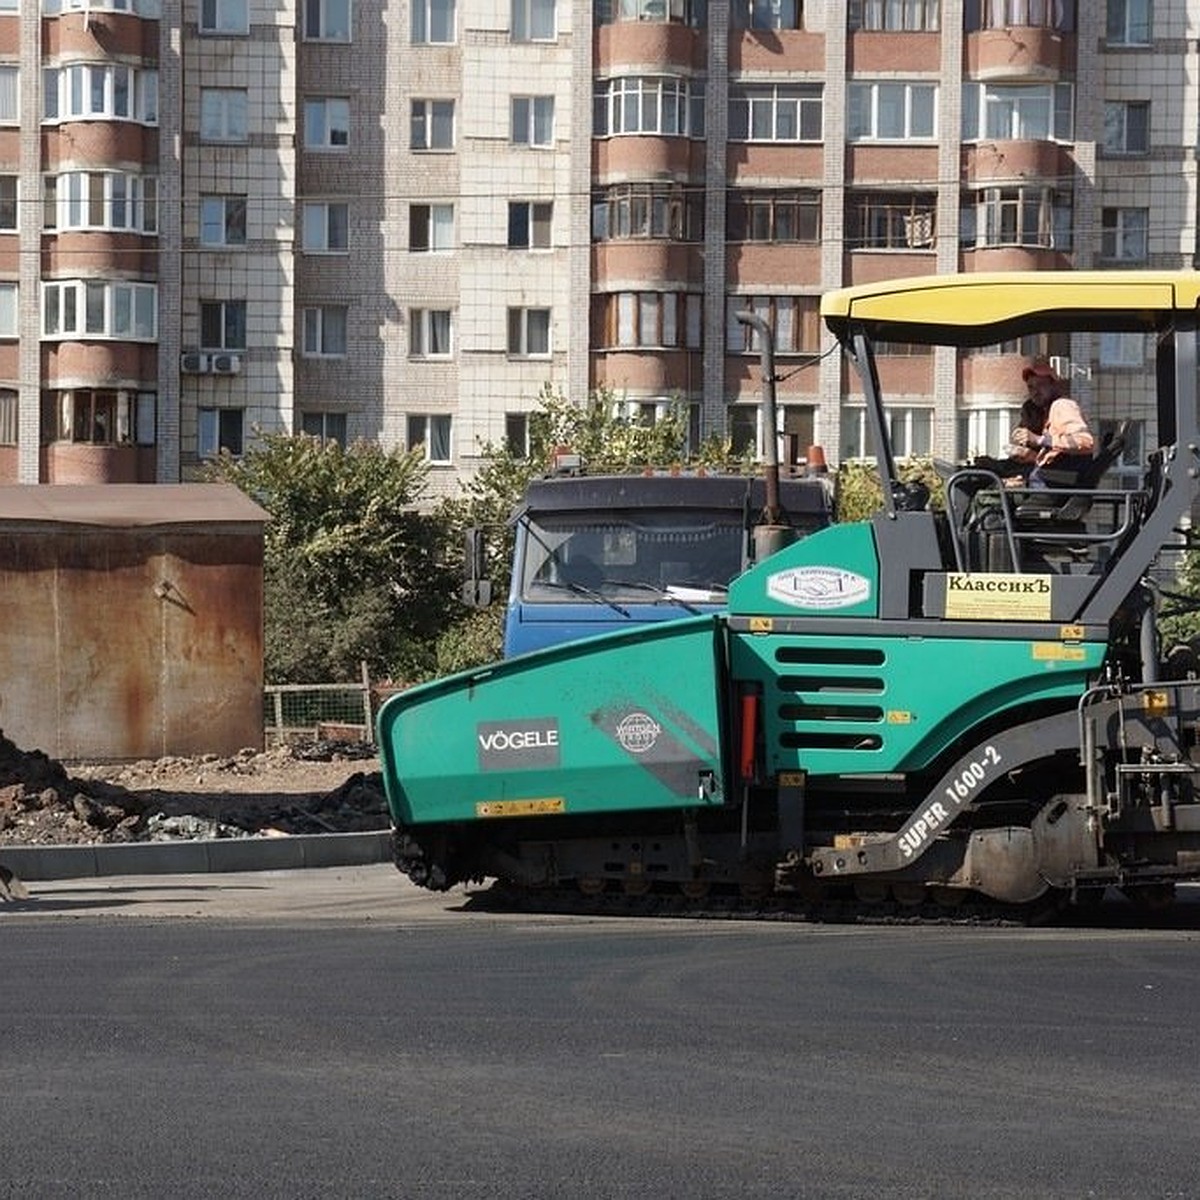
x: 1064, y: 442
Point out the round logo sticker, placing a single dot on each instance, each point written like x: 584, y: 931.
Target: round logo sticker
x: 638, y: 732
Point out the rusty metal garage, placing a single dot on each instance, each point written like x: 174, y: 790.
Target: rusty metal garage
x: 133, y: 618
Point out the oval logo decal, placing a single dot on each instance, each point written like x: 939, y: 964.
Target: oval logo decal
x: 818, y: 587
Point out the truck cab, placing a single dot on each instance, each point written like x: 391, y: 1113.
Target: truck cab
x: 598, y: 553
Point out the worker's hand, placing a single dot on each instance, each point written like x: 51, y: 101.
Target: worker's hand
x: 1024, y: 437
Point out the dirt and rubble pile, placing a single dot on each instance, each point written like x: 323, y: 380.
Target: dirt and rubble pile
x: 318, y: 788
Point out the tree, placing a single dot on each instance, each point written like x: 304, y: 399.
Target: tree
x: 353, y: 572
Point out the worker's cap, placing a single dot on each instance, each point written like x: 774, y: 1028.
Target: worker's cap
x: 1042, y: 370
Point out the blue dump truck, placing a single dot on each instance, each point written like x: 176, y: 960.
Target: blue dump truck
x: 597, y: 553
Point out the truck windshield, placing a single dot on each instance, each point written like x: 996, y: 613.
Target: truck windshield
x: 631, y: 556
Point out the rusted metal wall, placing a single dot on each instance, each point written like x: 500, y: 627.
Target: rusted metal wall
x: 131, y: 642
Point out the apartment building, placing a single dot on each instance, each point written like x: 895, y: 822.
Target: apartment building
x: 401, y: 220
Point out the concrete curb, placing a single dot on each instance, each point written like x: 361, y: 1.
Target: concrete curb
x: 198, y: 857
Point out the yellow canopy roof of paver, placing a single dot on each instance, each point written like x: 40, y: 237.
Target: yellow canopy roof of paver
x: 977, y: 309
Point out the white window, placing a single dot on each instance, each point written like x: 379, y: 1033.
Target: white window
x: 224, y: 114
x: 433, y: 22
x: 431, y: 432
x: 533, y: 21
x: 910, y: 431
x: 1122, y: 349
x: 219, y: 430
x: 529, y: 332
x: 8, y: 417
x: 1035, y: 111
x: 222, y: 220
x: 142, y: 8
x: 1016, y: 216
x: 895, y: 16
x: 8, y: 310
x: 767, y: 14
x: 987, y: 431
x: 892, y: 112
x: 10, y: 108
x: 1005, y: 14
x: 222, y: 325
x: 432, y: 126
x: 224, y: 16
x: 327, y: 20
x: 778, y: 113
x: 654, y: 104
x: 324, y: 426
x: 1124, y: 234
x: 8, y: 203
x: 431, y: 227
x: 326, y: 227
x: 103, y: 91
x: 327, y: 123
x: 1127, y: 126
x: 533, y: 121
x: 325, y: 331
x: 529, y: 224
x: 1128, y: 22
x: 96, y: 308
x: 429, y: 333
x: 101, y: 200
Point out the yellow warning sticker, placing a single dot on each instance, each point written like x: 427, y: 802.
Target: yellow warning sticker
x: 761, y: 624
x: 542, y: 806
x: 1057, y: 652
x: 897, y: 716
x: 1156, y: 703
x: 987, y: 597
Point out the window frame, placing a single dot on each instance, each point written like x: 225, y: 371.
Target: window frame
x: 531, y: 224
x: 648, y: 105
x: 317, y: 117
x: 1114, y: 233
x: 429, y: 231
x: 1132, y: 24
x: 439, y: 449
x: 893, y: 16
x: 794, y: 320
x: 422, y: 19
x: 890, y: 212
x: 96, y: 310
x: 319, y: 330
x: 524, y: 329
x: 522, y: 21
x: 228, y: 203
x: 321, y: 13
x: 524, y: 130
x: 231, y: 317
x: 229, y: 106
x: 326, y: 418
x: 1117, y: 115
x: 69, y: 202
x: 217, y: 28
x: 319, y: 228
x: 213, y: 423
x: 428, y: 124
x: 866, y: 99
x: 69, y: 93
x: 423, y: 332
x: 772, y: 100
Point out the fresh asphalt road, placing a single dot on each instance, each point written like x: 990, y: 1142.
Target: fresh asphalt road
x: 335, y: 1033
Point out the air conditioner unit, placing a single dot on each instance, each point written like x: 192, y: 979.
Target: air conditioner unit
x: 193, y: 363
x: 226, y: 364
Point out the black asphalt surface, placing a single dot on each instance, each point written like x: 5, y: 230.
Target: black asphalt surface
x: 491, y: 1056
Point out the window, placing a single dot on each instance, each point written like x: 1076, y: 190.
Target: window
x: 1128, y: 468
x: 1128, y: 23
x: 648, y: 210
x: 431, y: 432
x: 431, y: 227
x: 219, y: 430
x: 101, y: 200
x: 326, y: 227
x: 101, y: 417
x: 894, y: 16
x: 1004, y: 14
x: 326, y: 123
x: 8, y: 203
x: 533, y: 121
x: 646, y: 319
x: 529, y: 224
x: 778, y: 113
x: 327, y: 20
x: 222, y: 220
x: 8, y: 310
x: 689, y: 12
x: 910, y: 432
x: 429, y: 333
x: 891, y: 112
x: 10, y: 80
x: 658, y: 104
x: 104, y: 91
x: 142, y: 8
x: 1039, y: 112
x: 1122, y: 349
x: 224, y: 16
x: 432, y: 125
x: 529, y: 332
x: 325, y: 331
x: 533, y: 21
x: 788, y: 215
x: 794, y: 321
x: 1127, y: 126
x: 516, y: 433
x: 324, y: 426
x: 8, y: 417
x: 433, y: 21
x: 98, y: 308
x: 223, y: 115
x: 222, y: 325
x: 1124, y: 234
x: 891, y: 220
x: 1016, y: 216
x: 986, y: 431
x: 767, y: 14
